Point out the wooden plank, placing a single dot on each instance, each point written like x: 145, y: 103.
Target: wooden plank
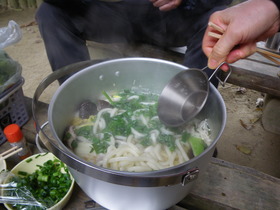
x: 256, y: 73
x: 229, y: 186
x: 254, y: 80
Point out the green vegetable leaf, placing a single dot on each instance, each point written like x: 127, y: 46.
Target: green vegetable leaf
x: 197, y: 145
x: 117, y: 125
x: 85, y: 131
x: 146, y: 141
x: 185, y: 136
x: 167, y: 140
x: 74, y: 144
x: 100, y: 145
x: 108, y: 97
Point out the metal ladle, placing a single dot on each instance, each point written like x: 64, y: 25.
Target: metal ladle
x: 185, y: 95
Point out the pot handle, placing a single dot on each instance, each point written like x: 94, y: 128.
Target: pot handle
x: 216, y: 71
x: 51, y: 145
x: 190, y: 176
x: 40, y: 138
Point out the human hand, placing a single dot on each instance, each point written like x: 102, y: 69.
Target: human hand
x: 166, y: 5
x: 243, y: 26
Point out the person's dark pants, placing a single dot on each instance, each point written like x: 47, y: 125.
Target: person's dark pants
x: 65, y: 32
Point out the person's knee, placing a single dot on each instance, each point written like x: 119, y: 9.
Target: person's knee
x: 47, y: 13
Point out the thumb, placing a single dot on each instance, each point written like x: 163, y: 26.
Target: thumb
x: 220, y: 51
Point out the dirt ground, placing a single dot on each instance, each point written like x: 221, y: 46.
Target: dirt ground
x: 244, y: 140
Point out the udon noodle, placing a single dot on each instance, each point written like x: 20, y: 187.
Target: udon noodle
x: 128, y: 135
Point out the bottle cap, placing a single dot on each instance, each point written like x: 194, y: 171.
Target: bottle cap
x: 13, y: 133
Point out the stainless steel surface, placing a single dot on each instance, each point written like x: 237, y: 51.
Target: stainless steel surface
x: 124, y: 190
x: 184, y: 96
x: 273, y: 42
x: 192, y: 175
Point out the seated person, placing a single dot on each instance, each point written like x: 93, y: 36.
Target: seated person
x: 66, y: 25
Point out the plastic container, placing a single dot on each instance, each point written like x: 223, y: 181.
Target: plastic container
x: 14, y: 69
x: 15, y: 138
x: 12, y: 108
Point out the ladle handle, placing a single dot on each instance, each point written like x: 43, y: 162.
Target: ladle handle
x: 215, y: 73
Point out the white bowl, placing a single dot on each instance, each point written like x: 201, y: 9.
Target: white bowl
x: 30, y: 167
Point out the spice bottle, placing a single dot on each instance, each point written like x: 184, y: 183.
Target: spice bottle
x: 15, y: 138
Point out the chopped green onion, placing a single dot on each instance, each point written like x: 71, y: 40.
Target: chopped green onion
x: 108, y: 97
x: 29, y: 160
x: 22, y: 173
x: 48, y: 184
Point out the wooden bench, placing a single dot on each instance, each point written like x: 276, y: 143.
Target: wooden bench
x: 257, y: 73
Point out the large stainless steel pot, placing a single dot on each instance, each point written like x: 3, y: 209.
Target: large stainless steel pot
x: 126, y: 190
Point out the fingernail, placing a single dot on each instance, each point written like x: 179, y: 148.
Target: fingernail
x: 212, y: 64
x: 225, y: 67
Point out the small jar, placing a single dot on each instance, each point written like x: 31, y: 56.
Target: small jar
x: 15, y: 138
